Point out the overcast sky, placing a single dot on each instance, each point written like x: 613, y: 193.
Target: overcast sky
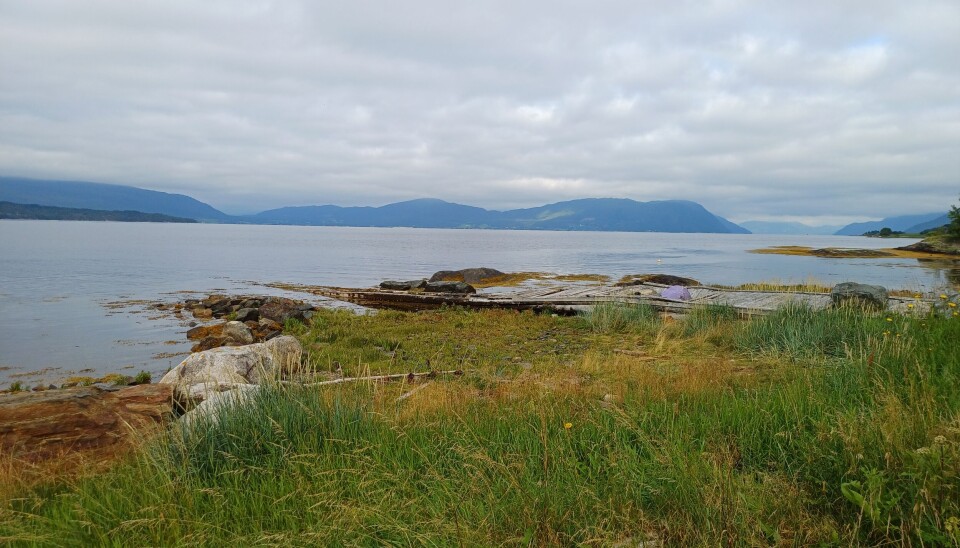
x: 819, y: 111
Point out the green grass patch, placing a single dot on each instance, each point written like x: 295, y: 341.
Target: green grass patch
x: 802, y: 428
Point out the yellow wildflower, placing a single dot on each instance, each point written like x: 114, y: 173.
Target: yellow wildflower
x: 889, y: 319
x: 952, y: 305
x: 567, y: 425
x: 943, y: 295
x: 910, y: 305
x: 917, y: 296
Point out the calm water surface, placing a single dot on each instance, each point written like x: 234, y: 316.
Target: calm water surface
x: 57, y: 278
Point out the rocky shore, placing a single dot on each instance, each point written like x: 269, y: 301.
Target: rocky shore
x: 238, y: 346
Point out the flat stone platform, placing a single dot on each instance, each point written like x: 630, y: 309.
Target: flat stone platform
x: 572, y: 297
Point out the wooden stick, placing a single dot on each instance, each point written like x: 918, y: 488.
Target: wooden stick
x: 636, y: 354
x: 412, y: 392
x: 395, y: 377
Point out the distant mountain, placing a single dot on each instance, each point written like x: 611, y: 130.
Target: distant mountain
x: 773, y: 227
x: 901, y: 223
x: 598, y: 214
x: 423, y: 213
x: 935, y: 223
x: 10, y: 210
x: 733, y: 227
x: 99, y: 196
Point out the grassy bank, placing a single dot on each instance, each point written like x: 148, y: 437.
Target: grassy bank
x: 834, y: 427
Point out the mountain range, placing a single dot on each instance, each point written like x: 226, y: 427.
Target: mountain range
x: 903, y: 223
x: 101, y: 196
x: 911, y: 224
x: 775, y: 227
x: 596, y: 214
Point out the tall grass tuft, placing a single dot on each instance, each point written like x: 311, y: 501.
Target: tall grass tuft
x: 611, y: 317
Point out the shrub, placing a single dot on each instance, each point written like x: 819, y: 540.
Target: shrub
x: 142, y: 378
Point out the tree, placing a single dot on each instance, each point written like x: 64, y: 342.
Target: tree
x: 953, y: 229
x: 886, y: 231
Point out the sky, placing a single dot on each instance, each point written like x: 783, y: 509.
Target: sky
x: 823, y: 112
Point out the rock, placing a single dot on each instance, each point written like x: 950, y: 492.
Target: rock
x: 202, y: 313
x: 863, y: 295
x: 221, y: 309
x: 237, y: 332
x: 449, y: 287
x: 937, y: 245
x: 833, y: 252
x: 281, y: 309
x: 40, y: 425
x: 215, y: 301
x: 208, y: 411
x: 209, y: 343
x: 468, y: 275
x: 267, y: 323
x: 247, y: 314
x: 227, y: 366
x: 676, y: 293
x: 403, y: 286
x: 947, y: 303
x: 663, y: 279
x: 612, y: 398
x: 204, y: 331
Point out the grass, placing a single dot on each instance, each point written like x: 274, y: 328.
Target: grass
x: 805, y: 427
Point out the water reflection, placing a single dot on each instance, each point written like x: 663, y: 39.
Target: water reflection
x: 946, y: 269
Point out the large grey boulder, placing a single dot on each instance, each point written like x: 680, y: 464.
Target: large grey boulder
x: 209, y: 410
x: 468, y: 275
x: 862, y: 295
x: 237, y: 332
x: 281, y: 309
x: 663, y: 279
x: 220, y: 369
x: 403, y: 286
x: 449, y: 287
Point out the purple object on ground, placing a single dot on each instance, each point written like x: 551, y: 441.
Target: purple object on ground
x: 677, y: 293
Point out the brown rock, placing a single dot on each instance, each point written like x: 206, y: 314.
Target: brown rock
x: 204, y: 331
x: 267, y: 323
x: 39, y: 425
x: 202, y: 313
x: 208, y: 343
x: 663, y: 279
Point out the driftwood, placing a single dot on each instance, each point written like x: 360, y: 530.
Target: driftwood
x: 416, y: 389
x: 382, y: 378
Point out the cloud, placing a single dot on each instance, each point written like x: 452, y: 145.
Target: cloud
x: 772, y: 109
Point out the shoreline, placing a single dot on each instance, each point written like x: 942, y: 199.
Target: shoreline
x: 181, y: 311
